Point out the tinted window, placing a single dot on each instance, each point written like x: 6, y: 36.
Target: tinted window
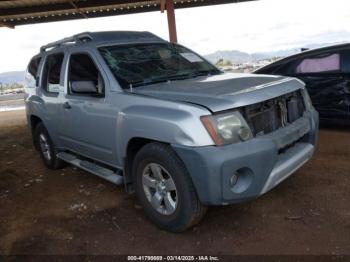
x: 33, y: 66
x: 345, y: 61
x: 83, y: 69
x: 319, y: 64
x: 32, y: 73
x: 52, y: 73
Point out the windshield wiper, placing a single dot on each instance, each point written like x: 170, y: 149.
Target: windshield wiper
x: 205, y: 73
x: 150, y: 81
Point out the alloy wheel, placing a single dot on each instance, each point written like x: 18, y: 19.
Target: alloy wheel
x: 45, y: 147
x: 159, y: 188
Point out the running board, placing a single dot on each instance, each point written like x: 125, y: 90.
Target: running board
x: 93, y: 168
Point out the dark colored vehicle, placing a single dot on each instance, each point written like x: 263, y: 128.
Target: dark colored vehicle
x: 326, y: 73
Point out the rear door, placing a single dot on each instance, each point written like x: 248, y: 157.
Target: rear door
x: 49, y: 92
x: 88, y: 124
x: 326, y: 81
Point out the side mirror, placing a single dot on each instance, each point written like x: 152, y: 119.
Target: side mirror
x: 84, y: 87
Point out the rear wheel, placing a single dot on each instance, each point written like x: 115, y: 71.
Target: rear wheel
x: 165, y: 188
x: 46, y: 147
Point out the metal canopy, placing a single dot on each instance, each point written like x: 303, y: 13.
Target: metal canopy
x: 22, y: 12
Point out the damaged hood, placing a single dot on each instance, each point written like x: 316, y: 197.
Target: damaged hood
x: 224, y: 91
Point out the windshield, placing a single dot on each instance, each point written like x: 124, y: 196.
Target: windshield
x: 142, y: 64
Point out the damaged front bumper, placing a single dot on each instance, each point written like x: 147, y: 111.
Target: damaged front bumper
x: 243, y: 171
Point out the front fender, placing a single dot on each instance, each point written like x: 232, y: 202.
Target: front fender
x: 179, y: 125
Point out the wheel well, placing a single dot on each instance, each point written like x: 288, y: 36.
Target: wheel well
x: 34, y: 121
x: 134, y: 145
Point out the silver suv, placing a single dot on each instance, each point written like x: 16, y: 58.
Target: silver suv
x: 136, y: 110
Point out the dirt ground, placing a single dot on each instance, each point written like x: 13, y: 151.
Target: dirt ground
x: 73, y: 212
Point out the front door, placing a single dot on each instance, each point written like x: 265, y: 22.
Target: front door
x: 328, y: 94
x: 89, y: 126
x: 327, y: 84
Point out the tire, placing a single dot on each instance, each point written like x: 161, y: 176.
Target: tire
x: 173, y: 209
x: 46, y: 148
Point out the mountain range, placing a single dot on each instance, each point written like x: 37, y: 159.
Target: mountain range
x: 234, y: 56
x: 12, y: 77
x: 241, y: 57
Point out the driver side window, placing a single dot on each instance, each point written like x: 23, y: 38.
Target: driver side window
x: 84, y: 77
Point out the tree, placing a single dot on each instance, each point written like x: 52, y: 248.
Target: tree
x: 222, y: 63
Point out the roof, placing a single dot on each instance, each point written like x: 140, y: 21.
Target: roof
x: 314, y: 51
x: 319, y: 49
x: 107, y: 37
x: 21, y: 12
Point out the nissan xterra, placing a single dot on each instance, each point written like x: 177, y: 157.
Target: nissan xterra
x: 137, y: 110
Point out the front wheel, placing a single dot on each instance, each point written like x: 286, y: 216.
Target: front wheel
x: 165, y: 188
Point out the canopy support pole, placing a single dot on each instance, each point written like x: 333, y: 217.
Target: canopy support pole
x: 170, y: 10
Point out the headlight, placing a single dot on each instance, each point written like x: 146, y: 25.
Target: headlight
x: 227, y: 128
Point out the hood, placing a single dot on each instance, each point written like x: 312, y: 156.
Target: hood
x: 224, y: 91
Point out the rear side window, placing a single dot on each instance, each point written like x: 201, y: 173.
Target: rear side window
x: 33, y: 66
x: 52, y: 73
x: 32, y: 72
x: 320, y: 64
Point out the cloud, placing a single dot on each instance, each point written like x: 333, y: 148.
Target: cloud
x: 257, y: 26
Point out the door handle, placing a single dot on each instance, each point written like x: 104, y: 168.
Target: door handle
x: 66, y: 105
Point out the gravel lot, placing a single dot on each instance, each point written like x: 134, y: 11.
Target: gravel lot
x: 72, y: 212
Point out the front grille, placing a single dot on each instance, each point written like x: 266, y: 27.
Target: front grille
x: 270, y: 115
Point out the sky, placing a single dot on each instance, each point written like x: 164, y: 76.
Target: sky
x: 258, y: 26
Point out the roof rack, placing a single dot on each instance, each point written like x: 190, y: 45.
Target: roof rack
x: 83, y: 37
